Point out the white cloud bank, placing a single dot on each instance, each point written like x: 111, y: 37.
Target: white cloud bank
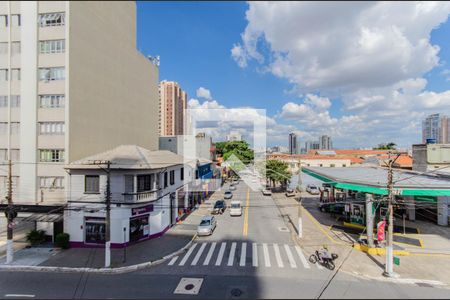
x: 204, y: 93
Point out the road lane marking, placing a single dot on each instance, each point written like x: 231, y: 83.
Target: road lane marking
x: 319, y: 266
x: 199, y: 253
x: 302, y: 257
x: 221, y: 252
x: 20, y: 295
x: 247, y: 204
x: 231, y: 256
x: 210, y: 253
x: 290, y: 256
x: 278, y: 256
x: 173, y: 260
x: 243, y: 254
x: 255, y: 255
x: 186, y: 257
x: 266, y: 255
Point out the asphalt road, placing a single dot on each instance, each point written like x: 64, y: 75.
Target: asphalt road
x: 251, y: 256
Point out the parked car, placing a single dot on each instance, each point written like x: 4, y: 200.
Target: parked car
x: 290, y: 193
x: 267, y: 192
x: 312, y: 189
x: 235, y: 208
x: 228, y: 195
x: 219, y: 207
x: 232, y: 188
x: 207, y: 225
x: 332, y: 207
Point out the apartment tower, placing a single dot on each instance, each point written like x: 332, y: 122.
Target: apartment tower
x: 72, y: 84
x: 293, y: 144
x: 172, y: 106
x: 325, y: 142
x: 436, y: 127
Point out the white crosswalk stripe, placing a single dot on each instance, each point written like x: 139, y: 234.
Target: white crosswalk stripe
x: 266, y: 255
x: 173, y: 260
x: 186, y: 257
x: 210, y: 253
x: 255, y: 255
x: 291, y: 256
x: 278, y: 256
x: 243, y: 254
x: 231, y: 256
x: 302, y: 257
x: 221, y: 252
x: 199, y: 253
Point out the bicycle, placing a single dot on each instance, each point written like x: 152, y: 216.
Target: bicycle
x: 327, y: 262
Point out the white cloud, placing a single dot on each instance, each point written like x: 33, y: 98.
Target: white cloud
x: 370, y: 55
x: 204, y: 93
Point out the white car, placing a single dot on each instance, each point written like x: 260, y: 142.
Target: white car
x: 312, y: 189
x: 267, y: 192
x: 235, y: 208
x: 207, y: 225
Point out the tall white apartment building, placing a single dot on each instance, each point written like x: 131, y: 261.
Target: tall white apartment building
x: 436, y: 127
x: 72, y: 84
x: 325, y: 142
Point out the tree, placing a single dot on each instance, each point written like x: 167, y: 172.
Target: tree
x: 240, y: 149
x: 277, y: 171
x: 388, y: 146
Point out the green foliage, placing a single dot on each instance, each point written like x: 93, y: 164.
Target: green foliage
x: 62, y: 240
x: 36, y: 237
x: 277, y: 171
x: 240, y: 149
x: 388, y: 146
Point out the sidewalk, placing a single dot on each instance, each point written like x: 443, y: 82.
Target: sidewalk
x: 152, y: 250
x: 423, y: 265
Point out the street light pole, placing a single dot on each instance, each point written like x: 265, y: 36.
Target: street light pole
x: 108, y: 218
x: 299, y: 186
x: 10, y: 218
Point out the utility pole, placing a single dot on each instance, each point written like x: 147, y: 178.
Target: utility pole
x: 299, y: 187
x: 108, y: 217
x: 10, y: 214
x: 389, y: 267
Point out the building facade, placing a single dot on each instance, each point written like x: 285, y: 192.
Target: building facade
x: 234, y: 136
x: 436, y: 128
x: 172, y: 106
x: 325, y: 142
x: 431, y: 157
x: 293, y: 144
x: 312, y: 145
x: 72, y: 83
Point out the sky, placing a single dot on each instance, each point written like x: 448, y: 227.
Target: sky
x: 364, y: 73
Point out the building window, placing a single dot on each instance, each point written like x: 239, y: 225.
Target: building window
x: 51, y: 182
x: 3, y: 74
x: 3, y: 21
x: 15, y: 101
x: 332, y: 165
x: 15, y: 48
x: 15, y: 20
x: 51, y: 128
x: 51, y: 101
x: 50, y: 74
x: 15, y: 128
x: 165, y: 180
x: 51, y: 155
x: 344, y: 165
x: 52, y: 19
x: 320, y: 165
x: 172, y: 177
x: 52, y: 46
x: 182, y: 174
x: 4, y: 48
x: 92, y: 184
x: 145, y: 182
x: 15, y: 74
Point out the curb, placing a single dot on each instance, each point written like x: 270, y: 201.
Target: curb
x: 119, y: 270
x: 378, y: 251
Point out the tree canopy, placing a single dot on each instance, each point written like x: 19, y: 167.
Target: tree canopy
x: 239, y: 148
x: 277, y: 171
x: 388, y: 146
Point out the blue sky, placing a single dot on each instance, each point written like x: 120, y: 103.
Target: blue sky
x: 194, y: 41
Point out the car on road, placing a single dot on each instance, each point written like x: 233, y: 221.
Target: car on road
x: 290, y: 193
x: 228, y: 195
x: 337, y: 208
x: 267, y: 192
x: 232, y: 188
x: 219, y: 207
x: 235, y: 208
x: 207, y: 225
x: 313, y: 189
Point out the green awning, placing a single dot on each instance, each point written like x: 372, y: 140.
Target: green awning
x: 320, y: 177
x: 362, y: 188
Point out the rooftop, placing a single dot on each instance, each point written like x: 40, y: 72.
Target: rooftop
x: 129, y: 157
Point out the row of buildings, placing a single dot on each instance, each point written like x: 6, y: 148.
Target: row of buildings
x: 294, y: 145
x: 80, y: 104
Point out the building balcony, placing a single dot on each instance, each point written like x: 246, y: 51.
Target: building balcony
x: 136, y: 197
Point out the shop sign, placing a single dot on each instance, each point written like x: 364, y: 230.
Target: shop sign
x: 141, y: 210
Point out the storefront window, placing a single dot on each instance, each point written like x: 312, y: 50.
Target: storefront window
x: 95, y: 231
x: 139, y: 228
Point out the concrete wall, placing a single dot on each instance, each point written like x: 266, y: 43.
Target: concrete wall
x: 113, y: 93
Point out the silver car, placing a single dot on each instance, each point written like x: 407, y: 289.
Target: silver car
x: 312, y: 189
x: 228, y: 195
x: 207, y: 225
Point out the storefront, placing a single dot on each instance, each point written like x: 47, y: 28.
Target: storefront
x: 94, y: 232
x: 139, y: 223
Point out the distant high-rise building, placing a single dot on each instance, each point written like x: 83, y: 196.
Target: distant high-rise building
x: 172, y: 101
x: 325, y: 143
x: 234, y: 136
x: 312, y: 145
x: 293, y: 144
x: 436, y: 127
